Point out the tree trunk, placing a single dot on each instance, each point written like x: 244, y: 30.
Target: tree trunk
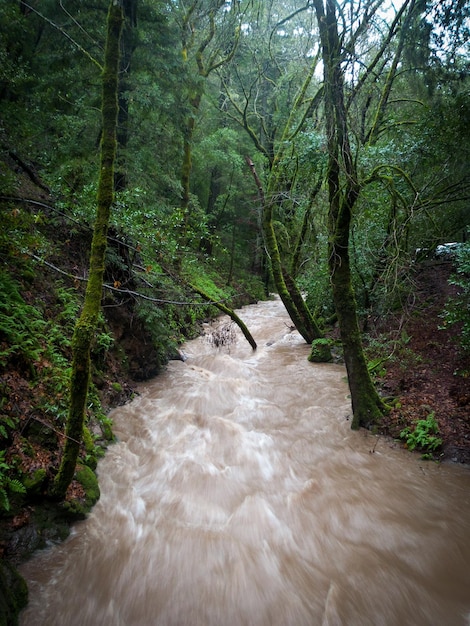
x: 195, y: 103
x: 307, y: 223
x: 285, y: 285
x: 86, y: 325
x: 367, y: 406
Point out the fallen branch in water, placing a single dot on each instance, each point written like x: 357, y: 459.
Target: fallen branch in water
x: 233, y: 316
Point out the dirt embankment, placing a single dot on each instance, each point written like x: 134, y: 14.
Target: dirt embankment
x: 435, y: 376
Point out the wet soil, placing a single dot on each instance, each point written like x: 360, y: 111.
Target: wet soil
x: 430, y: 374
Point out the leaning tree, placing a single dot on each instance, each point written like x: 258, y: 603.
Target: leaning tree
x: 86, y: 324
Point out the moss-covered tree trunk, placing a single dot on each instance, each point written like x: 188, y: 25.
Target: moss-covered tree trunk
x: 286, y: 287
x: 128, y: 44
x: 86, y: 325
x: 343, y: 191
x: 367, y: 405
x: 285, y: 284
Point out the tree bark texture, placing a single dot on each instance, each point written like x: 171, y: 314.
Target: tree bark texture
x: 343, y: 191
x: 195, y: 103
x: 86, y: 325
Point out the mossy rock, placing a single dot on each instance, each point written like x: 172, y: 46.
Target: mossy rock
x: 106, y: 426
x: 89, y: 481
x: 13, y: 594
x: 321, y: 351
x: 87, y: 478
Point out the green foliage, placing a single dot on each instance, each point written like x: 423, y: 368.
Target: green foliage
x: 8, y: 485
x: 206, y: 280
x: 160, y: 325
x: 423, y: 436
x: 376, y: 366
x: 6, y: 422
x: 315, y: 281
x: 69, y: 306
x: 20, y: 325
x: 381, y: 350
x: 457, y: 309
x: 41, y: 345
x: 252, y: 286
x: 102, y: 344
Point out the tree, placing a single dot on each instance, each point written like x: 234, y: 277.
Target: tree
x: 343, y: 191
x: 87, y: 322
x: 203, y: 50
x: 272, y: 103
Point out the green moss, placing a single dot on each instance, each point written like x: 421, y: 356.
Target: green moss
x: 321, y: 351
x: 88, y: 440
x: 87, y: 323
x: 90, y: 448
x: 106, y: 425
x: 34, y: 483
x: 87, y: 478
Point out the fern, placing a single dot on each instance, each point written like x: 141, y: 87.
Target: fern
x: 6, y: 422
x: 7, y: 484
x: 20, y: 324
x: 424, y: 436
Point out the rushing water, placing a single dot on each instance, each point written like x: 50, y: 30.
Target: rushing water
x: 238, y: 495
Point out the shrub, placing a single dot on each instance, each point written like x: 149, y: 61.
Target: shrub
x: 423, y: 436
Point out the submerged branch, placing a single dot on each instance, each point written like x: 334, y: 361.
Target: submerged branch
x: 233, y: 316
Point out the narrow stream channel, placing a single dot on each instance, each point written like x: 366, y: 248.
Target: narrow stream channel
x: 238, y: 495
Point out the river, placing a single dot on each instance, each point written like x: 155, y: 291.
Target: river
x: 237, y: 494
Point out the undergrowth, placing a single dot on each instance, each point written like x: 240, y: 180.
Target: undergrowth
x: 8, y: 485
x: 423, y: 435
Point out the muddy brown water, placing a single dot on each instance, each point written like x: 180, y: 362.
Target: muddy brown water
x: 238, y: 495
